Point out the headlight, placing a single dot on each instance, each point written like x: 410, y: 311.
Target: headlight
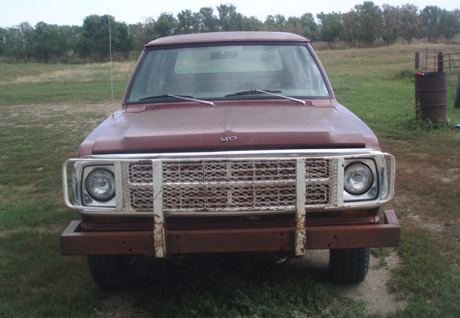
x: 358, y: 178
x: 100, y: 185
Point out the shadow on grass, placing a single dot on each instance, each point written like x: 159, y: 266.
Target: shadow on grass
x: 243, y: 285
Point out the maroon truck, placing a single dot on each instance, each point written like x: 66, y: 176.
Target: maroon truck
x: 228, y: 142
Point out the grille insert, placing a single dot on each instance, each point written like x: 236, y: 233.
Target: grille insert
x: 230, y: 185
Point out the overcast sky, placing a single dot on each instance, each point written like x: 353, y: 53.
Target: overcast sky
x: 64, y: 12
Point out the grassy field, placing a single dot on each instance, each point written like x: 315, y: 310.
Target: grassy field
x: 45, y: 112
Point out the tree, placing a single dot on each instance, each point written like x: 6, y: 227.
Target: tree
x: 2, y: 41
x: 229, y: 19
x: 252, y: 24
x: 331, y: 26
x: 187, y: 22
x: 309, y: 26
x: 370, y: 22
x: 94, y: 38
x: 138, y: 36
x: 16, y: 43
x: 430, y: 22
x: 207, y: 21
x: 270, y: 23
x: 410, y: 22
x: 27, y: 31
x: 293, y: 25
x: 46, y: 41
x: 392, y: 17
x: 166, y: 25
x: 350, y: 27
x: 121, y: 40
x: 68, y: 37
x: 449, y: 24
x: 142, y: 33
x: 275, y: 22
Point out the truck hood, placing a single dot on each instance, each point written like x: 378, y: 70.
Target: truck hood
x: 196, y: 127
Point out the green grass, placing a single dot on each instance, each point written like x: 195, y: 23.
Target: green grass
x: 429, y: 277
x: 45, y: 112
x: 36, y: 281
x: 36, y: 83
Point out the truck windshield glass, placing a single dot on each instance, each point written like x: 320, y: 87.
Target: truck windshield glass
x: 218, y: 72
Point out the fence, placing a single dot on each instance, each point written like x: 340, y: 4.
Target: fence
x: 452, y: 63
x: 435, y: 60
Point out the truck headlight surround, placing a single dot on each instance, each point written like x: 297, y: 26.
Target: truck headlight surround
x: 100, y: 185
x: 358, y: 178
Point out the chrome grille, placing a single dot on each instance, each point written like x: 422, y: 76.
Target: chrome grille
x: 239, y: 185
x: 317, y: 168
x: 142, y: 199
x: 216, y: 185
x: 140, y: 172
x: 318, y: 186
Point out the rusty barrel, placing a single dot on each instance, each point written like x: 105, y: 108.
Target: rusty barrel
x: 431, y: 96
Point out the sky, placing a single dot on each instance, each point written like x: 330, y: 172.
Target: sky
x: 64, y: 12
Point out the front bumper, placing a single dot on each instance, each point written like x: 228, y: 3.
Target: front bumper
x: 76, y: 242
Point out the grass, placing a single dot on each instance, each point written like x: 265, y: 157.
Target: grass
x: 36, y: 281
x: 252, y: 289
x: 45, y: 112
x: 428, y: 276
x: 37, y: 83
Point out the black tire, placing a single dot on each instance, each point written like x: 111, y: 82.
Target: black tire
x: 349, y: 266
x: 115, y: 271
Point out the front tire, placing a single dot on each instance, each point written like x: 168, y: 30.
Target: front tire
x: 115, y: 271
x: 349, y: 266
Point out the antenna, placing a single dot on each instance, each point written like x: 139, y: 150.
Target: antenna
x: 111, y: 63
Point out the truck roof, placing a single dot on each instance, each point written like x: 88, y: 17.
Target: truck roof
x: 213, y: 37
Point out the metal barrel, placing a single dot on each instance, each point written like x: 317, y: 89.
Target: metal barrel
x: 431, y: 96
x: 457, y: 95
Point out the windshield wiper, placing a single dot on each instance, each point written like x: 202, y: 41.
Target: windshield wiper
x: 184, y: 97
x: 268, y: 92
x: 252, y: 91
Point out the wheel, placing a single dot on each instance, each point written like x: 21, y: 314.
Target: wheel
x: 349, y: 265
x: 115, y: 271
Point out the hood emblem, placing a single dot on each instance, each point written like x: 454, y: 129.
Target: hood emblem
x: 227, y: 139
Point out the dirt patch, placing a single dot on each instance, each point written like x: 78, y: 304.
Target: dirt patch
x: 373, y: 292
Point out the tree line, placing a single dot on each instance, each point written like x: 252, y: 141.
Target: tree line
x: 363, y: 25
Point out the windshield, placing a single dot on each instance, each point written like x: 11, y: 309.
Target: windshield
x: 218, y: 72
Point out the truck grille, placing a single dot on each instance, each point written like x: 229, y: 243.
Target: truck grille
x: 226, y: 186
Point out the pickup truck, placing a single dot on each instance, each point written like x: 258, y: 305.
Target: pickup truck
x: 228, y: 142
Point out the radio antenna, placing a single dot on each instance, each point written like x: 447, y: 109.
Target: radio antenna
x: 111, y: 62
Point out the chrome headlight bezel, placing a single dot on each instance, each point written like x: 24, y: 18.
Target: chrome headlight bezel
x: 370, y: 190
x: 89, y: 197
